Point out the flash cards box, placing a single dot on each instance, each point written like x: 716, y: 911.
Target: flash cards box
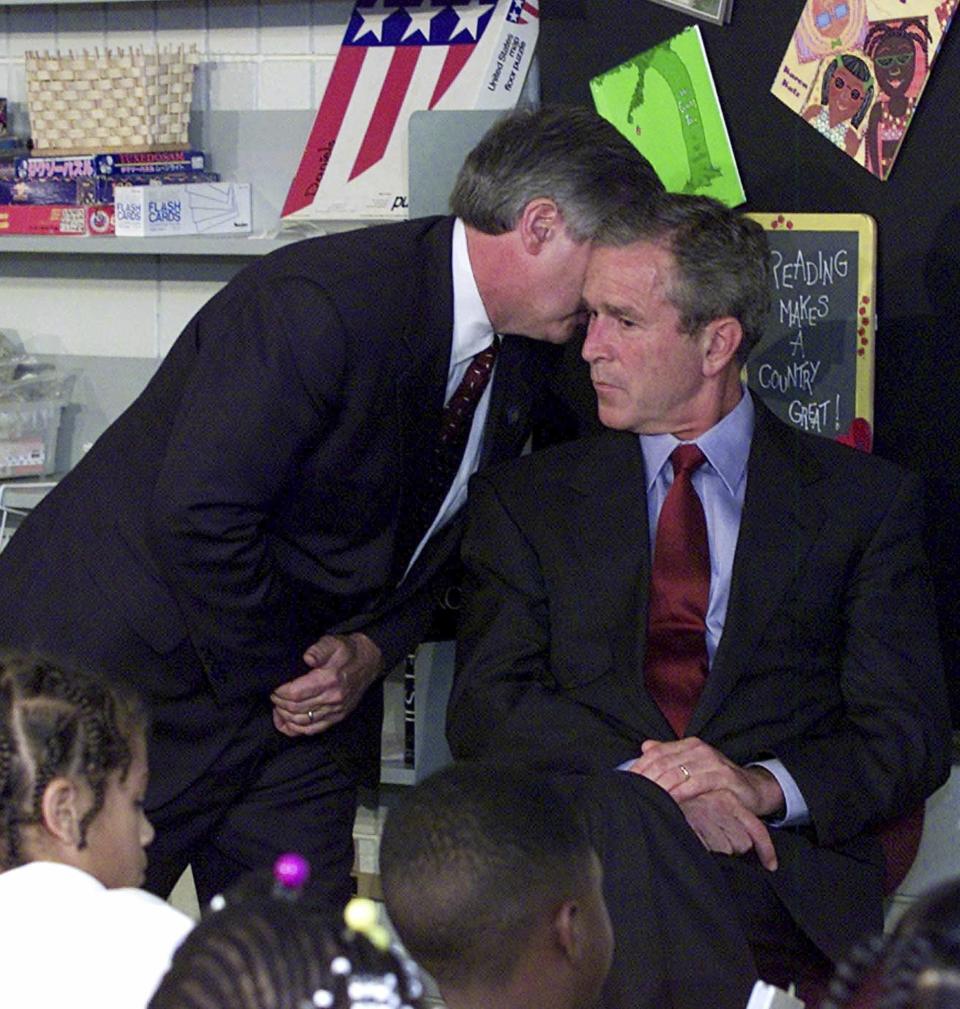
x: 215, y: 208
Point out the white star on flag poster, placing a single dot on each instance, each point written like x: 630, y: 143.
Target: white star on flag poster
x: 398, y: 57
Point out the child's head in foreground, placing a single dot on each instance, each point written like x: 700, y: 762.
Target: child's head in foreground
x: 493, y: 886
x: 917, y: 966
x: 73, y: 772
x: 270, y: 951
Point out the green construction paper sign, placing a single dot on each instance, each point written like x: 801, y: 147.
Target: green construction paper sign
x: 665, y: 103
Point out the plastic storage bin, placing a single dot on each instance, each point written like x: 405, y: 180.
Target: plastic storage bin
x: 28, y: 437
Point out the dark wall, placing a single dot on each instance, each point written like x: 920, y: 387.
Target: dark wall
x: 786, y: 166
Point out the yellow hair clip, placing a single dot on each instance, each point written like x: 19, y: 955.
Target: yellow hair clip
x: 360, y: 915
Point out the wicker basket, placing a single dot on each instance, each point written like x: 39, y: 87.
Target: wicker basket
x: 109, y: 101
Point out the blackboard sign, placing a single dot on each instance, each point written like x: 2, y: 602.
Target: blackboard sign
x: 814, y: 365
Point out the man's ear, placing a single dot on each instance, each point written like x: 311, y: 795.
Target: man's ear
x: 537, y: 221
x: 720, y: 339
x: 567, y: 928
x: 61, y: 810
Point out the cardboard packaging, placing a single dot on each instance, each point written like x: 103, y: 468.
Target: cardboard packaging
x: 394, y: 60
x: 216, y: 208
x: 142, y: 162
x: 56, y: 220
x: 47, y: 191
x: 55, y: 166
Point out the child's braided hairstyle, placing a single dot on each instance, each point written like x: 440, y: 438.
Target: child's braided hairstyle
x: 917, y: 966
x: 54, y: 723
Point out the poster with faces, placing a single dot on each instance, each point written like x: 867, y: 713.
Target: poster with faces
x: 855, y: 70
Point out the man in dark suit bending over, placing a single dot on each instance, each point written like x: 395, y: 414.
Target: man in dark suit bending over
x: 268, y: 528
x: 720, y: 633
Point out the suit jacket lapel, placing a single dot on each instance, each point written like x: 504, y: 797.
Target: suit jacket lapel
x: 426, y: 346
x: 522, y: 364
x: 778, y: 525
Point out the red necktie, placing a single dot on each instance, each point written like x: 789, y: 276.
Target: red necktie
x: 675, y: 665
x: 447, y: 454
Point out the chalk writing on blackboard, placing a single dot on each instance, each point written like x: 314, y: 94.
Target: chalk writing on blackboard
x: 814, y: 364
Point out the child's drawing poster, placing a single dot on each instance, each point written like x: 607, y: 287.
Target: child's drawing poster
x: 855, y: 70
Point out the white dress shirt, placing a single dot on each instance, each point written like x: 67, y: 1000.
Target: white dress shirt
x: 472, y: 332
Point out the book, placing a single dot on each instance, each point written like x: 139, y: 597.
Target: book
x: 397, y: 58
x: 665, y: 103
x: 855, y: 72
x: 410, y: 710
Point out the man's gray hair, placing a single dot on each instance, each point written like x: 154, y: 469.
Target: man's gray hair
x: 568, y: 154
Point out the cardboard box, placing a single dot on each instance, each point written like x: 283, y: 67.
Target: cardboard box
x: 393, y: 61
x: 215, y: 208
x: 107, y: 185
x: 75, y: 166
x: 56, y: 220
x: 49, y: 191
x: 141, y: 162
x: 89, y: 189
x: 58, y: 166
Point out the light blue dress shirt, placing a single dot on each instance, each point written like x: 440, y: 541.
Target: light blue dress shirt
x: 721, y: 483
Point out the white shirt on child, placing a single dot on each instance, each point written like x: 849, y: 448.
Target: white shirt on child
x: 68, y: 941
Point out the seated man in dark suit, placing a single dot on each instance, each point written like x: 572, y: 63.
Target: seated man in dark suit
x: 719, y: 633
x: 493, y: 886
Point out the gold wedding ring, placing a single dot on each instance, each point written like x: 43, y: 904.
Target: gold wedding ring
x: 683, y: 771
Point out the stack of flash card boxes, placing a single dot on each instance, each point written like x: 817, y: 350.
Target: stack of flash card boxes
x: 74, y: 194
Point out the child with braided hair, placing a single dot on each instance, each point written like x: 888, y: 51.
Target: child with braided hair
x: 275, y: 946
x: 917, y: 966
x: 74, y: 930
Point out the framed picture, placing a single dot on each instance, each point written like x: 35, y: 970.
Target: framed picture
x: 717, y: 11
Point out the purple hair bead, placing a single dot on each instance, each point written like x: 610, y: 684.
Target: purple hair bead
x: 291, y: 872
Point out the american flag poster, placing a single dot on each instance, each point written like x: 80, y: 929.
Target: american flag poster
x: 398, y: 57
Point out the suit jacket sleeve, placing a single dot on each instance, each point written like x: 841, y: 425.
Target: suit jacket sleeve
x: 506, y: 702
x: 887, y: 744
x: 259, y: 397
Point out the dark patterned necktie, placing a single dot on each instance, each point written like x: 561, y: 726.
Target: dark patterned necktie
x: 445, y: 455
x: 675, y: 665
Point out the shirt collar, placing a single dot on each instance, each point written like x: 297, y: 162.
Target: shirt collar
x: 726, y: 445
x: 472, y: 330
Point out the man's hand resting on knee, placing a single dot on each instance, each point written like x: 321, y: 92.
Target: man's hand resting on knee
x: 721, y: 801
